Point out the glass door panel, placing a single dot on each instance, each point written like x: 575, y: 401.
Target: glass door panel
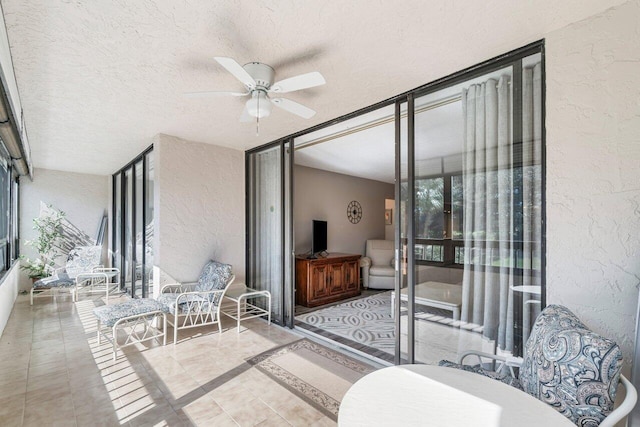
x: 289, y: 255
x: 477, y: 194
x: 117, y: 224
x: 147, y: 253
x: 138, y: 231
x: 403, y: 343
x: 127, y: 249
x: 265, y: 245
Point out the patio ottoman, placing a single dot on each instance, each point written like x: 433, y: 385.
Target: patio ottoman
x: 135, y: 318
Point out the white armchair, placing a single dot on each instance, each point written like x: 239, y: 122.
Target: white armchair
x: 378, y: 271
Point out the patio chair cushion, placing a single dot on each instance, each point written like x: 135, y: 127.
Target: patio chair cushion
x: 82, y: 259
x: 570, y: 367
x: 110, y: 314
x: 187, y: 305
x: 61, y: 280
x: 214, y: 276
x: 506, y: 378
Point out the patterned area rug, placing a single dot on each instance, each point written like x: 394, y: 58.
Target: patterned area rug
x: 317, y: 374
x: 368, y: 320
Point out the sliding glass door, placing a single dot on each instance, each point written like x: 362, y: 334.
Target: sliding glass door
x: 268, y: 216
x: 467, y: 218
x: 132, y: 237
x: 475, y: 191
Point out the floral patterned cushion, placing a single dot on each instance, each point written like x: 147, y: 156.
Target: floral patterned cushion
x: 82, y: 259
x: 570, y: 367
x: 186, y: 306
x: 110, y: 314
x: 62, y: 280
x: 214, y: 276
x: 506, y: 378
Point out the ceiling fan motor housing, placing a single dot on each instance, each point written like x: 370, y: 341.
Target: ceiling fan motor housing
x: 261, y: 73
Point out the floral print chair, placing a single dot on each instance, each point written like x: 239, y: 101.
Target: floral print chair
x: 81, y: 259
x: 567, y: 366
x: 197, y: 303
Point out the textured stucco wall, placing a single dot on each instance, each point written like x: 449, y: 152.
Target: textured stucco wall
x: 593, y: 170
x: 84, y: 198
x: 199, y: 207
x: 9, y: 285
x: 325, y: 195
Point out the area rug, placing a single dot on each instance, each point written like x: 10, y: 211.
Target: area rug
x: 317, y: 374
x: 368, y: 320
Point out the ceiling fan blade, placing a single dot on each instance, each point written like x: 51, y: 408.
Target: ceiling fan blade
x: 303, y: 81
x: 236, y: 69
x: 245, y: 117
x: 208, y: 94
x: 294, y: 107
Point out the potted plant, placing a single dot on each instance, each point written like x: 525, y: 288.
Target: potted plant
x: 49, y: 232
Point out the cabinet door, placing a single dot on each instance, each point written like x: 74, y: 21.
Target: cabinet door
x: 336, y: 278
x: 352, y: 275
x: 319, y: 281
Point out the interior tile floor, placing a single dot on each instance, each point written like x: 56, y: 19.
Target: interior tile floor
x: 53, y: 372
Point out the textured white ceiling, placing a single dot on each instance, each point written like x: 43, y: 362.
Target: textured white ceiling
x: 98, y: 79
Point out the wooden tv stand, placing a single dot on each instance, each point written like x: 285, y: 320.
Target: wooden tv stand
x: 325, y: 280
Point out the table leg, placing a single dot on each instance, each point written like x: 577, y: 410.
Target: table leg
x: 269, y: 306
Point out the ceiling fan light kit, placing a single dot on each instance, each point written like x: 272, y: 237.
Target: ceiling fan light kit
x: 258, y: 106
x: 258, y: 78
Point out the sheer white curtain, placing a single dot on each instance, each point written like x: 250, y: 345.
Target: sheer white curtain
x: 268, y: 225
x: 500, y: 193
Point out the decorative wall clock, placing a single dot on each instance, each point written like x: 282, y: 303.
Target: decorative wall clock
x: 354, y: 212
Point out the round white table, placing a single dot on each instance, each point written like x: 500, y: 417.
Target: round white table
x: 426, y: 395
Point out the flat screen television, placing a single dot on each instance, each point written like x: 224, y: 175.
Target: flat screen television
x: 319, y: 237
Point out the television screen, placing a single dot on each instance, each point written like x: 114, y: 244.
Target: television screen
x: 319, y: 236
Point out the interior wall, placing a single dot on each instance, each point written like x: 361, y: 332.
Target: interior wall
x: 325, y: 195
x: 199, y: 208
x: 84, y: 198
x: 593, y: 171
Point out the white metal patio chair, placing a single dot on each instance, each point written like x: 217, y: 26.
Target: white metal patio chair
x: 198, y: 303
x: 81, y: 259
x: 100, y: 280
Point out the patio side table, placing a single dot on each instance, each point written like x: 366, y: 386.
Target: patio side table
x: 241, y: 305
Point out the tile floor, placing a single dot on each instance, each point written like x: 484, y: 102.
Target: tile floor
x: 53, y: 372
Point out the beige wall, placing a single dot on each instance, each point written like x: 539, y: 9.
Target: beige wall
x: 593, y: 170
x: 325, y: 195
x: 84, y: 198
x: 199, y: 207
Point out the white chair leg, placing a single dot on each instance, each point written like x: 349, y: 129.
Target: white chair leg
x: 115, y: 345
x: 31, y: 296
x: 175, y: 329
x: 164, y: 329
x: 99, y: 336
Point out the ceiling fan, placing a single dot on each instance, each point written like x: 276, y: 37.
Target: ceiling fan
x: 258, y: 80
